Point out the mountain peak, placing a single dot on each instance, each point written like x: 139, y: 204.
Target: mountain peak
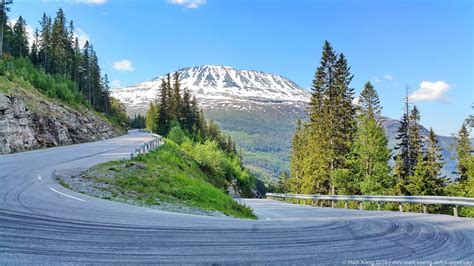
x: 215, y: 84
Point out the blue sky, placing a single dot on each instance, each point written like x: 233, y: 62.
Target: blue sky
x: 425, y: 44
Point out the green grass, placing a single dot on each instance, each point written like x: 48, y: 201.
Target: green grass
x: 64, y: 184
x: 170, y: 175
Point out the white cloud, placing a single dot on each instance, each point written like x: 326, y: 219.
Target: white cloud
x: 431, y: 91
x: 116, y: 83
x: 188, y: 3
x: 123, y: 65
x: 388, y: 77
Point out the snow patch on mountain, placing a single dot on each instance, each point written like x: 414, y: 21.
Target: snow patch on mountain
x: 217, y: 85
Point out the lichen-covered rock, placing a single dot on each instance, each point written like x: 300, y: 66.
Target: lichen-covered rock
x: 55, y: 125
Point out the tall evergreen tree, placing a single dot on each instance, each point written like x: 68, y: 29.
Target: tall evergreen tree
x: 175, y: 101
x: 416, y: 143
x: 150, y: 118
x: 163, y: 121
x: 463, y: 152
x: 297, y: 160
x: 371, y: 147
x: 45, y: 50
x: 402, y: 158
x: 20, y: 39
x: 369, y: 100
x: 4, y: 8
x: 34, y: 56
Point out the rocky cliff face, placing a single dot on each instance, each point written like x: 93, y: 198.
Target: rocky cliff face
x: 28, y: 123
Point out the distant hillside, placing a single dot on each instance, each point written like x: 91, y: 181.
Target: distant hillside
x: 259, y: 110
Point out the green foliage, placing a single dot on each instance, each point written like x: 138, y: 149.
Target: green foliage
x: 371, y: 156
x: 330, y: 132
x: 138, y: 121
x: 463, y: 151
x: 177, y: 134
x: 170, y: 175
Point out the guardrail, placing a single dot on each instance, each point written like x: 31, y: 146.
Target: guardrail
x: 148, y: 146
x: 423, y: 200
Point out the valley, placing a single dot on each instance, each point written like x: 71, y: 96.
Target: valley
x: 259, y: 110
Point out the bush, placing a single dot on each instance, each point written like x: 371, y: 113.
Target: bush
x: 177, y: 135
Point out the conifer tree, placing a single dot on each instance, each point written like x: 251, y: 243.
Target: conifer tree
x: 34, y: 56
x: 371, y: 147
x: 403, y: 166
x: 175, y: 101
x: 297, y: 159
x: 414, y: 138
x: 4, y: 8
x: 150, y: 118
x: 163, y: 121
x: 369, y: 100
x: 463, y: 152
x: 20, y: 39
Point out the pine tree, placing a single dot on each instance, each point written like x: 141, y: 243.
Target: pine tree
x: 403, y: 167
x: 283, y: 182
x: 463, y: 152
x: 297, y: 160
x: 369, y: 100
x: 434, y: 161
x: 163, y: 121
x: 371, y: 147
x: 4, y: 8
x: 175, y: 101
x: 45, y: 43
x: 20, y: 39
x: 414, y: 138
x: 150, y: 118
x: 59, y: 43
x: 34, y: 56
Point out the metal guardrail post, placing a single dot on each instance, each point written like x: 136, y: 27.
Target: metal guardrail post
x: 400, y: 207
x: 346, y: 204
x: 378, y: 206
x: 425, y: 208
x: 455, y: 211
x: 361, y: 205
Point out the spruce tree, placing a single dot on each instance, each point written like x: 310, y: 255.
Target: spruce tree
x: 414, y: 138
x: 402, y: 159
x: 34, y: 56
x: 150, y: 118
x: 4, y: 8
x: 163, y: 121
x: 20, y: 39
x: 371, y: 147
x: 369, y: 100
x: 175, y: 101
x: 297, y: 159
x: 463, y: 152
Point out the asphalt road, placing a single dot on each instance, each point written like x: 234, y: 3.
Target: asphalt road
x: 43, y: 223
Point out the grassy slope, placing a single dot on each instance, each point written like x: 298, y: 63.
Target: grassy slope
x: 170, y: 175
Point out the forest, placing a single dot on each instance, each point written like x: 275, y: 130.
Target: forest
x: 343, y: 148
x: 56, y: 64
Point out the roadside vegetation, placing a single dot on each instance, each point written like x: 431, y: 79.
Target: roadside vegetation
x: 168, y: 175
x: 56, y: 65
x: 343, y: 148
x: 198, y: 166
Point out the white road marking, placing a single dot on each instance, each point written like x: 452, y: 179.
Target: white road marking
x: 72, y: 197
x: 39, y: 177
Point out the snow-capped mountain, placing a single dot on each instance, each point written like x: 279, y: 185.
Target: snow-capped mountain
x: 220, y: 86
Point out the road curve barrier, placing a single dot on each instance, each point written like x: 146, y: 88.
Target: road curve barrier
x: 423, y: 200
x: 148, y: 146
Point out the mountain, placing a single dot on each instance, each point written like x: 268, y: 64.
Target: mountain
x: 259, y: 110
x: 220, y: 86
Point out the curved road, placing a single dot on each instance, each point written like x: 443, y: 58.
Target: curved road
x: 41, y: 223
